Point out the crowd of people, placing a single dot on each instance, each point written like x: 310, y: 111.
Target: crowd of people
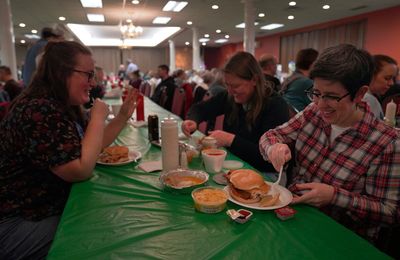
x: 326, y: 119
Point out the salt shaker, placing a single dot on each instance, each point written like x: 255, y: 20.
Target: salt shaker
x: 390, y: 115
x: 169, y: 144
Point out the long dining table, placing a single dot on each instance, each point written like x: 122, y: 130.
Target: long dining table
x: 123, y: 212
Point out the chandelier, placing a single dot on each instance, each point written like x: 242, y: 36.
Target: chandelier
x: 130, y: 31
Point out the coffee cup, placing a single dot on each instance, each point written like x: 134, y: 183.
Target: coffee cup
x: 213, y: 159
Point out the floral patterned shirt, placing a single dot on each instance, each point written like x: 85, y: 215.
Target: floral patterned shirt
x: 36, y: 135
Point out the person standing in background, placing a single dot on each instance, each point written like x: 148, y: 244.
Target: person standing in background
x: 268, y: 64
x: 11, y: 86
x: 130, y: 68
x: 167, y: 84
x: 47, y: 35
x: 294, y: 87
x: 385, y: 71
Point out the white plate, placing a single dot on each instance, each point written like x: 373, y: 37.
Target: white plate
x: 132, y: 155
x: 232, y: 165
x: 284, y: 199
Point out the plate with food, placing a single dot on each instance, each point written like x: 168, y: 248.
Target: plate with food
x: 118, y: 155
x: 247, y: 188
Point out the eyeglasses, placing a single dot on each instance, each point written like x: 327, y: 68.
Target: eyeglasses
x: 90, y: 74
x: 311, y: 94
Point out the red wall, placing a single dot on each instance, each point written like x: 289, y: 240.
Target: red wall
x: 382, y: 36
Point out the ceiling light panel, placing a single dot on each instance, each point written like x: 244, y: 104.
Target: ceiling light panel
x: 271, y: 26
x: 175, y: 6
x: 242, y: 25
x: 95, y: 17
x: 161, y: 20
x: 221, y: 40
x: 92, y: 3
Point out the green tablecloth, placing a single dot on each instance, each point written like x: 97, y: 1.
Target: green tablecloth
x: 123, y: 213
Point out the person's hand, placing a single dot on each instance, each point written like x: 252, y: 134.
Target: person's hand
x: 129, y: 105
x: 224, y: 139
x: 99, y: 110
x: 317, y: 194
x: 279, y: 154
x: 188, y: 127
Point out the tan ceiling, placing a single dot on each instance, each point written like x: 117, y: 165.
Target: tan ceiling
x: 40, y: 13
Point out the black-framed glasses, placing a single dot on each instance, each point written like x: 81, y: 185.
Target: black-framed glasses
x: 311, y: 94
x: 89, y: 74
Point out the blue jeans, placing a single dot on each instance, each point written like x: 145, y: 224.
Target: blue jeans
x: 23, y: 239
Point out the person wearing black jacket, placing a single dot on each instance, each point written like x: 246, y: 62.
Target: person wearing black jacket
x: 250, y: 107
x: 167, y: 84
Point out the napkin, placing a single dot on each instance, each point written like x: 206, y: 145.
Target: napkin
x: 150, y: 166
x: 137, y: 123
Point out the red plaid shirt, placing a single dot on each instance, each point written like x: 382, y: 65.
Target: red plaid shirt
x: 362, y: 164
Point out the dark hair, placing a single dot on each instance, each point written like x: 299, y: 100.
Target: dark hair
x: 48, y: 32
x: 6, y: 69
x: 245, y: 66
x: 178, y: 73
x: 345, y: 64
x: 164, y: 67
x: 305, y: 58
x: 55, y: 67
x: 380, y: 60
x: 266, y: 60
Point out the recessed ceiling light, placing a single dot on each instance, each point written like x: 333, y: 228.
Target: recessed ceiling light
x: 95, y: 17
x: 34, y: 31
x: 61, y: 18
x: 290, y: 17
x: 204, y: 44
x: 161, y: 20
x: 203, y: 40
x: 135, y: 2
x: 187, y: 43
x: 189, y: 22
x: 292, y: 3
x: 271, y: 26
x: 326, y: 7
x: 227, y: 36
x: 22, y: 41
x: 92, y: 3
x: 175, y: 6
x: 242, y: 25
x: 221, y: 40
x: 215, y: 7
x: 218, y: 31
x: 261, y: 15
x: 22, y: 25
x: 206, y: 35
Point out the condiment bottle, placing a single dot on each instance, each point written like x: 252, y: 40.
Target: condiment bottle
x: 208, y: 142
x: 184, y: 160
x: 169, y: 144
x: 390, y: 113
x: 140, y: 108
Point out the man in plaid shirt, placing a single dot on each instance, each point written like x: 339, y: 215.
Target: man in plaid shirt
x: 347, y: 161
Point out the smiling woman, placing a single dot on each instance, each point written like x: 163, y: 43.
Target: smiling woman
x: 250, y: 107
x: 348, y: 162
x: 48, y: 143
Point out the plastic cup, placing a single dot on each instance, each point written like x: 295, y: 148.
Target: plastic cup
x: 213, y: 159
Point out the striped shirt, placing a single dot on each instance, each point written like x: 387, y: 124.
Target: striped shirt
x: 362, y: 164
